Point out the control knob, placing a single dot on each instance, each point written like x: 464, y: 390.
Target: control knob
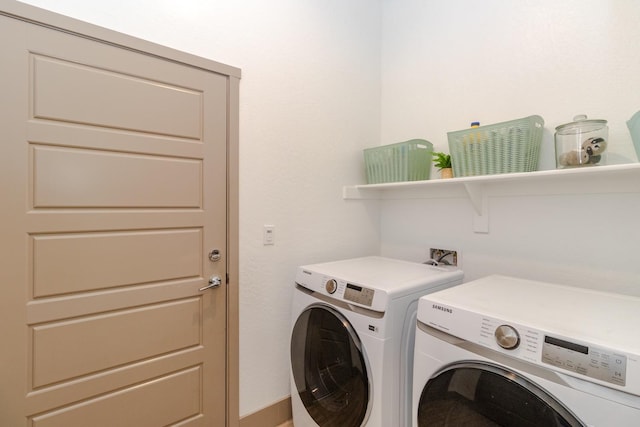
x: 331, y: 286
x: 507, y: 337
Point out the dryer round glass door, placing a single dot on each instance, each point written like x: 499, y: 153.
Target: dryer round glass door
x: 329, y: 368
x: 482, y: 394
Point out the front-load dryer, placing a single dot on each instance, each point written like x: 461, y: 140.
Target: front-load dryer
x: 351, y: 345
x: 502, y: 351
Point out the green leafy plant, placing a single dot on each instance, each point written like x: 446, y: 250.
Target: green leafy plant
x: 442, y: 160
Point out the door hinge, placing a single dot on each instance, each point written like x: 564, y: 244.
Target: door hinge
x: 227, y: 278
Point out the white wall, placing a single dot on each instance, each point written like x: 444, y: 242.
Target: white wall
x: 309, y: 104
x: 446, y: 64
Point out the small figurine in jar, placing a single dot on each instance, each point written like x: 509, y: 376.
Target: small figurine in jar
x: 594, y: 148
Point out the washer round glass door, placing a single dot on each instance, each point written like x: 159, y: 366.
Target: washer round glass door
x: 329, y: 368
x: 483, y: 394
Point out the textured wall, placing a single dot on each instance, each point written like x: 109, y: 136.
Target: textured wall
x: 446, y: 64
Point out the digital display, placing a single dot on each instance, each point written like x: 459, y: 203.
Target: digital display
x: 566, y: 344
x: 354, y: 287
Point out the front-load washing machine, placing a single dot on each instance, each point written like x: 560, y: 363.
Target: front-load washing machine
x: 502, y: 351
x: 352, y: 340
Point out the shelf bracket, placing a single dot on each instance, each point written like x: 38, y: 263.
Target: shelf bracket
x: 480, y: 202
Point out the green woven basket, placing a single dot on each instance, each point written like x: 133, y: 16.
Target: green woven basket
x: 506, y: 147
x: 403, y: 161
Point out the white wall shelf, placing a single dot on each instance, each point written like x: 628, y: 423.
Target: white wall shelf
x: 591, y: 180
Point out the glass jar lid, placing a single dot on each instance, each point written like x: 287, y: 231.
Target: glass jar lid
x: 581, y: 125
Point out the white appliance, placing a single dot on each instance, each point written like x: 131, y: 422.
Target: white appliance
x: 352, y: 340
x: 502, y: 351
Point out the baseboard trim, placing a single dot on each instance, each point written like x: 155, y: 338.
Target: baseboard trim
x: 271, y: 416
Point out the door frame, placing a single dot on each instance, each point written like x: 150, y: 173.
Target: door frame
x: 51, y: 20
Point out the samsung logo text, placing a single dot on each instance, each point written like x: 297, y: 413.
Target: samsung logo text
x: 441, y: 308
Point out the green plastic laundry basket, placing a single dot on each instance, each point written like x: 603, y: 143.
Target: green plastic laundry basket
x: 506, y: 147
x: 403, y: 161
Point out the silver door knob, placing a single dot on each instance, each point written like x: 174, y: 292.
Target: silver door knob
x: 214, y: 255
x: 214, y: 282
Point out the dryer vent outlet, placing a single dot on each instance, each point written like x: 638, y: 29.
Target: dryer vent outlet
x: 444, y: 256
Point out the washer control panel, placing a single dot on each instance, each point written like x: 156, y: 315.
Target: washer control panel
x: 601, y: 364
x: 359, y: 294
x: 344, y: 290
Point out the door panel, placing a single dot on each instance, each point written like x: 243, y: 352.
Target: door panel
x: 113, y: 164
x: 80, y: 262
x: 71, y: 92
x: 137, y: 406
x: 72, y: 348
x: 69, y: 177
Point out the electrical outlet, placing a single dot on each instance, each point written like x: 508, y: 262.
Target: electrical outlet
x: 444, y: 256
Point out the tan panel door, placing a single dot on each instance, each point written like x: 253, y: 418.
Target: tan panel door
x: 113, y: 173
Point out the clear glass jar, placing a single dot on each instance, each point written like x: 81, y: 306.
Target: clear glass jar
x: 581, y: 143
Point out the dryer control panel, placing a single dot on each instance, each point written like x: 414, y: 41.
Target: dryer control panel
x: 534, y: 345
x: 527, y: 343
x: 601, y: 364
x: 548, y: 325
